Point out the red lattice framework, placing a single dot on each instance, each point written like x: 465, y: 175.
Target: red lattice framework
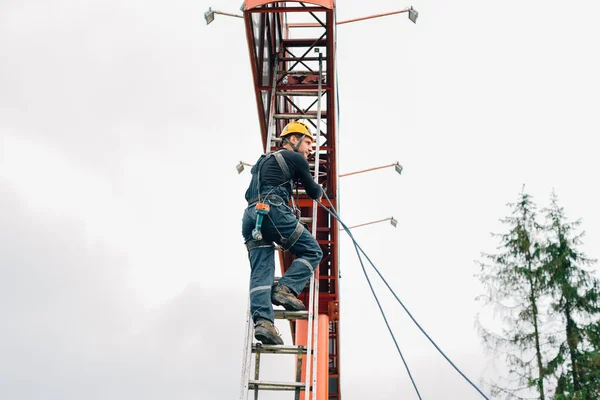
x: 286, y: 42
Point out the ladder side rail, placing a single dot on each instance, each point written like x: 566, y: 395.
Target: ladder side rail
x: 316, y: 300
x: 247, y: 356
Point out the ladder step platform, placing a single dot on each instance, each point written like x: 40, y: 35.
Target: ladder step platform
x: 283, y: 314
x: 278, y: 349
x: 299, y: 93
x: 301, y: 58
x: 304, y: 42
x: 300, y: 72
x: 311, y: 115
x: 265, y: 385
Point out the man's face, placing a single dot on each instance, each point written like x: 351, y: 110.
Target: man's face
x: 305, y: 146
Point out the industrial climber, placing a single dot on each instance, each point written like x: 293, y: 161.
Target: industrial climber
x: 269, y: 219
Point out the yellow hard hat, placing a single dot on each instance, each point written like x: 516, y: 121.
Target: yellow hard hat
x: 297, y: 127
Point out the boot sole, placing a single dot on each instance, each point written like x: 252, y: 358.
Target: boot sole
x: 266, y: 338
x: 276, y: 299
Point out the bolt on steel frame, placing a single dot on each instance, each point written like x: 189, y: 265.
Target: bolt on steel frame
x: 292, y: 54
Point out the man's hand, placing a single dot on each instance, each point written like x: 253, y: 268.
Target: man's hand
x: 320, y: 199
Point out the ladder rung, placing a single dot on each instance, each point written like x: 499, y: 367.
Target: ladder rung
x: 301, y: 72
x: 278, y: 349
x: 301, y: 59
x: 299, y: 86
x: 283, y: 314
x: 301, y: 192
x: 306, y: 220
x: 304, y: 42
x: 300, y: 116
x: 298, y: 93
x: 265, y: 385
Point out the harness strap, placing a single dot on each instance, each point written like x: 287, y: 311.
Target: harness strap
x: 282, y: 165
x: 274, y: 197
x: 286, y: 244
x: 252, y: 244
x: 289, y: 242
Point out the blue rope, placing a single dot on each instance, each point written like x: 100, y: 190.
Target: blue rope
x: 383, y: 314
x: 376, y: 299
x: 357, y: 246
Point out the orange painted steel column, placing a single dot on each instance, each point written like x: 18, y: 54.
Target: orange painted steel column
x: 323, y: 354
x: 301, y: 335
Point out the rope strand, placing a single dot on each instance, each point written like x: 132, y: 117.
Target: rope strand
x: 357, y: 246
x: 386, y: 321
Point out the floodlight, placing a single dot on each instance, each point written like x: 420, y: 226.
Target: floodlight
x: 413, y: 14
x: 240, y: 166
x: 393, y: 222
x: 209, y: 16
x: 398, y: 168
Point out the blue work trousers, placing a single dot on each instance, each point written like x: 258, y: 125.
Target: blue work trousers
x: 280, y: 223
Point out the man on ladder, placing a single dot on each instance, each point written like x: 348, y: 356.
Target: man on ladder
x: 269, y: 219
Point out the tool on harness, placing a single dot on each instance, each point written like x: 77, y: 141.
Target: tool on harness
x: 262, y: 209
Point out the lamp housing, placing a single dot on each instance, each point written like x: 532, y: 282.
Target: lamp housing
x: 413, y: 14
x: 209, y: 16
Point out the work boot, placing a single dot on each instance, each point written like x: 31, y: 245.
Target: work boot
x: 282, y: 296
x: 266, y: 333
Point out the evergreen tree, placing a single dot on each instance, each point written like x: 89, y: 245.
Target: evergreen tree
x: 574, y: 298
x: 514, y: 282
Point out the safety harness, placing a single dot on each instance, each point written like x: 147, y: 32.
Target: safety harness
x: 263, y: 209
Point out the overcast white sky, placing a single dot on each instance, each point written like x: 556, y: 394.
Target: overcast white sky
x: 122, y: 269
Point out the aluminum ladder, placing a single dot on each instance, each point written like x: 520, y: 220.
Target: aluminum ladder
x: 251, y: 381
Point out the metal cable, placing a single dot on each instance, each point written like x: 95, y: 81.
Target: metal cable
x: 357, y: 246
